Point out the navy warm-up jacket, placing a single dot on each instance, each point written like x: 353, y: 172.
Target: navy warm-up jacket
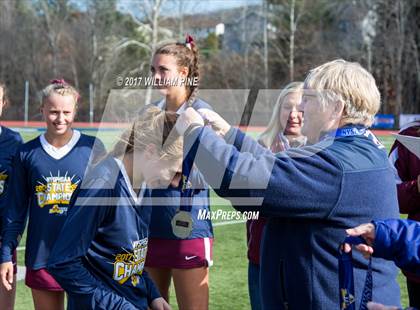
x: 310, y: 196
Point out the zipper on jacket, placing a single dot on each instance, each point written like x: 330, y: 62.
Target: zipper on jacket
x: 283, y: 284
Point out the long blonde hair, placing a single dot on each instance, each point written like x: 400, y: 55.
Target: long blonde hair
x: 274, y: 127
x: 152, y: 127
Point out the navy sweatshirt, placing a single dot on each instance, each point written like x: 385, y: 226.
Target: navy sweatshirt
x: 310, y: 195
x: 42, y: 189
x: 9, y: 143
x: 99, y: 257
x: 166, y: 202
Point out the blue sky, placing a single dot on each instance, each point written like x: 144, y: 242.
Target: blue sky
x: 171, y: 7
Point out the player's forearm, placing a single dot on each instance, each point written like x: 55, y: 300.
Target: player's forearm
x: 11, y: 236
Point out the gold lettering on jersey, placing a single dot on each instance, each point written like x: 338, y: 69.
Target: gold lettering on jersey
x: 131, y: 264
x: 3, y: 178
x: 55, y: 191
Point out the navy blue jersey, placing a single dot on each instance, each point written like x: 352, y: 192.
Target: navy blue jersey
x: 100, y: 254
x: 165, y: 202
x: 42, y: 188
x: 9, y: 143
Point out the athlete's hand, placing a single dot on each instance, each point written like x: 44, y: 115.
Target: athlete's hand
x: 418, y: 183
x: 218, y: 124
x: 186, y: 119
x: 6, y: 274
x: 160, y: 304
x: 367, y: 232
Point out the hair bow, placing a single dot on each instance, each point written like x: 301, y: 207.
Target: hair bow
x: 189, y: 41
x: 58, y: 81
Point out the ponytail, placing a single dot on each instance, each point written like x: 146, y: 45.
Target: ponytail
x: 186, y: 55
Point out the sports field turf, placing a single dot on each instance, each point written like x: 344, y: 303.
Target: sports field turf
x: 228, y: 275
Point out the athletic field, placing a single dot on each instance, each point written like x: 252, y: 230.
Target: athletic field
x: 228, y: 275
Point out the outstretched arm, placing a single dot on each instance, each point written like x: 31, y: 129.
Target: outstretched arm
x: 394, y: 239
x: 285, y: 186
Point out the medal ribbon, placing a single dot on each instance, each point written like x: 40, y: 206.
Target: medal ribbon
x: 187, y: 190
x: 346, y: 279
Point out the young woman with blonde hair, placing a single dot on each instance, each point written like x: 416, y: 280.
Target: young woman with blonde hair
x: 48, y: 171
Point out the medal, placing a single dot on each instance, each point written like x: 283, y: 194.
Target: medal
x: 346, y: 278
x: 182, y: 224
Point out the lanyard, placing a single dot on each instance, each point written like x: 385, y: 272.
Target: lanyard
x: 346, y: 279
x: 182, y: 222
x: 347, y: 131
x: 187, y: 190
x: 353, y: 131
x: 350, y: 131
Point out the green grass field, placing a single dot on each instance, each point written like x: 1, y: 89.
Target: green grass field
x: 228, y: 275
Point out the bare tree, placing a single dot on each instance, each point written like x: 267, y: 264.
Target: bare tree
x: 286, y: 15
x: 55, y: 15
x: 396, y: 54
x: 149, y: 26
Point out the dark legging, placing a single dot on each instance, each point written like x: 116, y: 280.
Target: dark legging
x: 254, y: 286
x: 414, y: 293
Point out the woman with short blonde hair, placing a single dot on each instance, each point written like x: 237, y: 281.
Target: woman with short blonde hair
x: 310, y: 194
x: 349, y: 83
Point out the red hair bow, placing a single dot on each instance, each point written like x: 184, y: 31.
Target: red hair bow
x: 58, y: 81
x: 189, y: 41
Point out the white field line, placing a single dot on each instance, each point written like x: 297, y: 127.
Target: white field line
x: 21, y: 273
x: 227, y: 223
